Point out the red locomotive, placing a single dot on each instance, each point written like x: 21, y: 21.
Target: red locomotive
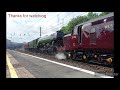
x: 92, y: 41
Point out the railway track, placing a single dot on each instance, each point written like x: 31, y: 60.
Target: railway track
x: 96, y: 67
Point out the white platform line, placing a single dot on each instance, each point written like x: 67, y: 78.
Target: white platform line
x: 76, y: 68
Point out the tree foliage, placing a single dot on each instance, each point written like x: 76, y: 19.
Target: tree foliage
x: 80, y: 19
x: 104, y: 13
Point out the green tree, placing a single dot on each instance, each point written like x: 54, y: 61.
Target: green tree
x: 92, y: 15
x: 104, y: 13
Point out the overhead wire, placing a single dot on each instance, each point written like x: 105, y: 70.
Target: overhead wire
x: 52, y: 23
x: 52, y: 19
x: 62, y: 23
x: 33, y: 24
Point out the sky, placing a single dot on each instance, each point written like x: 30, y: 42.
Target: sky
x: 25, y: 26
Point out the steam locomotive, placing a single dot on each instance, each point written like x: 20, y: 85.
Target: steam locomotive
x: 48, y: 44
x: 92, y: 41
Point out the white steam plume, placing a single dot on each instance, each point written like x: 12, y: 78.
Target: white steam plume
x: 60, y: 56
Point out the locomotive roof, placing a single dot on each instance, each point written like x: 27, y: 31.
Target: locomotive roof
x: 67, y: 35
x: 96, y: 19
x: 51, y: 36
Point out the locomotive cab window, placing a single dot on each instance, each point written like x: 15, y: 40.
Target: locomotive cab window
x: 74, y: 31
x: 79, y: 34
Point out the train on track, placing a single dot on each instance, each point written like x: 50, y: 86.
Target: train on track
x: 91, y: 41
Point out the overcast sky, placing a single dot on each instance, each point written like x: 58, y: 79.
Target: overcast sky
x: 25, y: 26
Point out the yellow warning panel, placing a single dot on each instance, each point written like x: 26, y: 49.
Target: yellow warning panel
x: 12, y: 71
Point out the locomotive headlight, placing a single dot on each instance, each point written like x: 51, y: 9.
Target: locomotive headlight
x: 95, y: 56
x: 73, y: 37
x: 109, y: 60
x: 73, y: 44
x: 69, y: 54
